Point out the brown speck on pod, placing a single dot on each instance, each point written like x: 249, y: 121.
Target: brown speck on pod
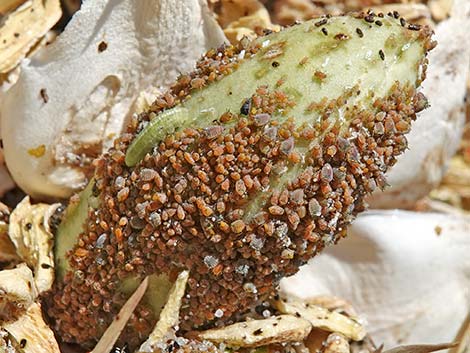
x: 44, y: 96
x: 359, y: 32
x: 321, y: 22
x: 102, y: 46
x: 324, y: 31
x: 414, y: 27
x: 341, y: 36
x: 382, y: 54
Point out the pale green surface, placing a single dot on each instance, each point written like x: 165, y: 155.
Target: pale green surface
x: 69, y: 230
x: 346, y: 63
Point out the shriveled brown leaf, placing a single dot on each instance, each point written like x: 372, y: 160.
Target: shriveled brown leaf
x: 169, y: 316
x: 421, y: 348
x: 17, y: 292
x: 32, y: 333
x: 23, y: 28
x: 256, y: 333
x: 112, y: 333
x: 323, y: 318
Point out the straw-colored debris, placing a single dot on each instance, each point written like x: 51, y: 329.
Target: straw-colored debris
x: 30, y: 233
x: 256, y: 333
x: 24, y: 27
x: 323, y: 318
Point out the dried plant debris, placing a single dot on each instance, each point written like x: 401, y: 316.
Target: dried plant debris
x: 7, y: 248
x: 30, y: 233
x: 421, y: 348
x: 169, y: 316
x: 29, y: 333
x: 256, y: 333
x: 54, y: 131
x: 323, y: 318
x: 398, y: 248
x: 164, y: 200
x: 17, y: 292
x: 23, y: 28
x: 112, y: 333
x: 241, y: 18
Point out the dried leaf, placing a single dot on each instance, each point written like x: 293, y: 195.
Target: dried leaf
x: 23, y: 28
x: 421, y: 348
x: 32, y: 333
x: 169, y: 316
x: 17, y: 292
x: 33, y: 240
x: 336, y: 343
x: 322, y: 318
x: 256, y: 333
x: 241, y: 18
x: 112, y: 333
x: 463, y: 338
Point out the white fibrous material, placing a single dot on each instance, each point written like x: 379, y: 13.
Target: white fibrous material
x: 435, y: 135
x: 406, y: 273
x: 73, y: 98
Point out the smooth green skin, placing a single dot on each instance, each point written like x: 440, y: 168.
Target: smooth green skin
x: 346, y: 63
x: 349, y: 63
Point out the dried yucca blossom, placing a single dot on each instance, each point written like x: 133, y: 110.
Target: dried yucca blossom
x: 241, y: 172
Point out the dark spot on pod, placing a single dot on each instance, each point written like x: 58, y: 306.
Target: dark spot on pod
x: 414, y: 27
x: 23, y: 343
x: 94, y: 190
x: 382, y: 54
x: 29, y: 226
x: 102, y: 46
x: 246, y: 107
x: 258, y: 332
x: 45, y: 266
x: 297, y: 314
x: 341, y: 36
x: 137, y: 223
x: 402, y: 22
x: 359, y: 32
x: 378, y: 23
x: 44, y: 96
x: 396, y: 14
x: 369, y: 18
x: 324, y: 31
x: 321, y: 22
x: 275, y: 64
